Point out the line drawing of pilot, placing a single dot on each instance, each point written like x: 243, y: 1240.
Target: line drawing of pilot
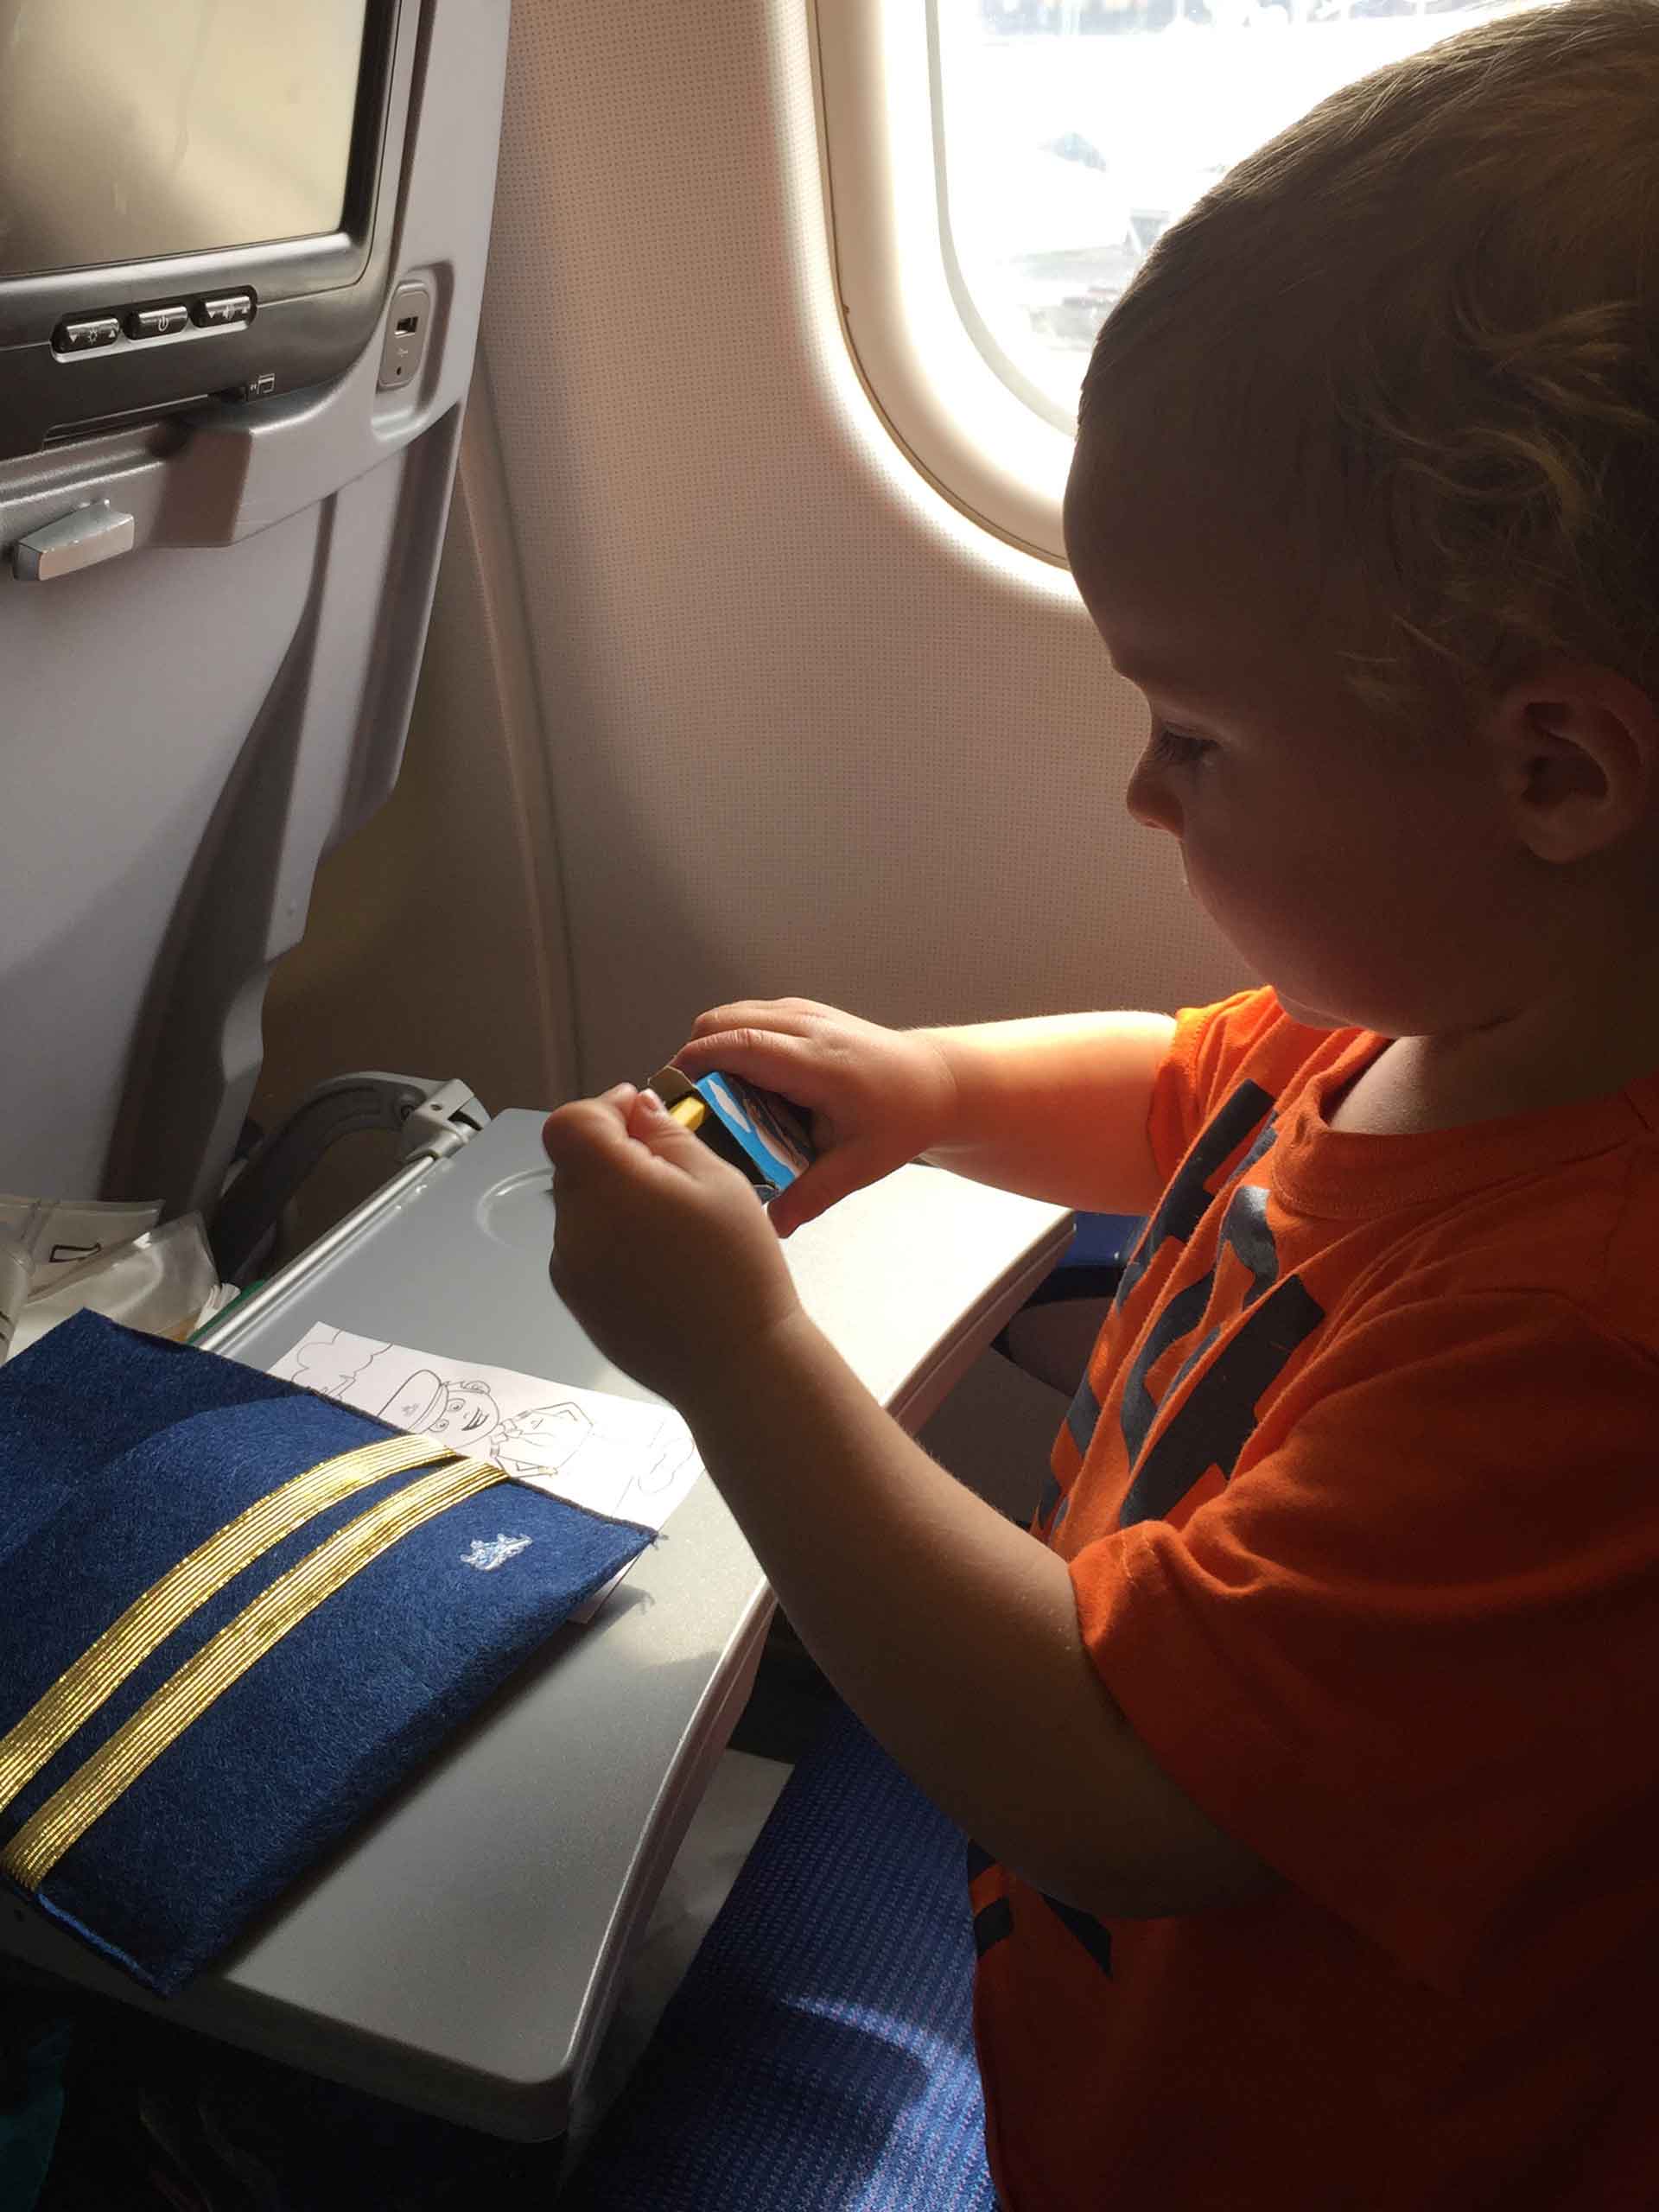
x: 463, y: 1413
x: 605, y: 1466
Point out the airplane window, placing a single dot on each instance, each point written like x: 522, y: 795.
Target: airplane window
x: 1071, y: 132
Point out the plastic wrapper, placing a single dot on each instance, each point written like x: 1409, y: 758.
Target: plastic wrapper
x: 162, y: 1282
x: 14, y: 1286
x: 58, y: 1234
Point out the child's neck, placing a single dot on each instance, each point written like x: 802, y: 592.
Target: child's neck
x: 1556, y: 1054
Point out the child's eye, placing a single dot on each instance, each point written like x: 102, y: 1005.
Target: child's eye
x: 1173, y: 748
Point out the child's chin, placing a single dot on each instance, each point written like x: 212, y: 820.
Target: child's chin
x: 1307, y: 1017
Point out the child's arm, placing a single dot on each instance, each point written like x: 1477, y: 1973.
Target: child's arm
x: 954, y: 1636
x: 1055, y: 1107
x: 948, y: 1629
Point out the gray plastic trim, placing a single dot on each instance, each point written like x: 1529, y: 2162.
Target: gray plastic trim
x: 80, y: 539
x: 194, y: 726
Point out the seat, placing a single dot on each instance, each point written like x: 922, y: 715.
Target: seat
x: 1054, y: 1332
x: 818, y: 2056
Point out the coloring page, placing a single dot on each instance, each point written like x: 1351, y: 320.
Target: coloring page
x: 613, y: 1455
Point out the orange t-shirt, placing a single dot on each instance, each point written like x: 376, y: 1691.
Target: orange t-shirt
x: 1361, y: 1502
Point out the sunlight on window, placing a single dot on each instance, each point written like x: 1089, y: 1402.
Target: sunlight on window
x: 1073, y: 131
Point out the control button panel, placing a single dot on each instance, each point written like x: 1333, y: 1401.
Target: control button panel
x: 229, y: 307
x: 158, y: 322
x: 88, y: 332
x: 82, y: 337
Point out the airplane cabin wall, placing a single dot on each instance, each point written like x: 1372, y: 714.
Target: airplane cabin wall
x: 756, y: 711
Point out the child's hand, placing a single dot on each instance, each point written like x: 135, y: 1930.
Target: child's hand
x: 661, y: 1251
x: 876, y: 1097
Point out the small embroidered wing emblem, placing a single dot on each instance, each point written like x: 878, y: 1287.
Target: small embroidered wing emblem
x: 486, y: 1554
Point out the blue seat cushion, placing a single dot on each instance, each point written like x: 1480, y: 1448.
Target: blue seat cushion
x: 818, y: 2056
x: 119, y: 1454
x: 1102, y: 1240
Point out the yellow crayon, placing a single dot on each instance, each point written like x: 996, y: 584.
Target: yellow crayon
x: 690, y: 1113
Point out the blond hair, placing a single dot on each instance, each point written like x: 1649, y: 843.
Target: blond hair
x: 1427, y: 317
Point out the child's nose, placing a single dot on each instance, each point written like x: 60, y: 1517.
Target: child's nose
x: 1150, y: 798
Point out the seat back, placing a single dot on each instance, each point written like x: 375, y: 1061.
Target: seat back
x: 186, y: 728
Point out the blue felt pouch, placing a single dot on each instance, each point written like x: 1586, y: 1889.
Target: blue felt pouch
x: 119, y: 1455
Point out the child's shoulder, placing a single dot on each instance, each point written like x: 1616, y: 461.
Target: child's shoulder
x: 1245, y: 1040
x: 1573, y: 1239
x: 1558, y: 1209
x: 1542, y: 1225
x: 1249, y: 1034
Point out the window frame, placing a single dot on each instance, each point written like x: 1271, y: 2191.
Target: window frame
x: 986, y: 441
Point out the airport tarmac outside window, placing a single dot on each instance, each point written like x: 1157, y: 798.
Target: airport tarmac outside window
x: 1069, y: 133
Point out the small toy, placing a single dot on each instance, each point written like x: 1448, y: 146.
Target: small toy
x: 758, y: 1132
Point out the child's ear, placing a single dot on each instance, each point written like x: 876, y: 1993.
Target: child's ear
x: 1577, y: 751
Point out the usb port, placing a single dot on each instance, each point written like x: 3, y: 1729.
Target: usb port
x: 409, y: 330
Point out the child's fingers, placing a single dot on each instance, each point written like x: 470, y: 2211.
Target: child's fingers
x: 589, y: 1131
x: 650, y: 1124
x: 789, y: 1017
x: 769, y: 1058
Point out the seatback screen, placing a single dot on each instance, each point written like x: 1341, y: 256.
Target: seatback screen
x: 136, y: 128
